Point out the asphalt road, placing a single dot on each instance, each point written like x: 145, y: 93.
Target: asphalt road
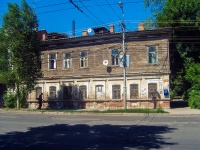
x: 19, y: 131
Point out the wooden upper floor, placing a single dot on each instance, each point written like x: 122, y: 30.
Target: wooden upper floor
x: 82, y: 57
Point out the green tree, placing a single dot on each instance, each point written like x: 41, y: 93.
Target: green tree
x: 183, y: 17
x: 193, y: 76
x: 19, y: 49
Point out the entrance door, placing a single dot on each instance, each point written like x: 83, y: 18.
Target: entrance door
x: 67, y: 93
x: 99, y: 89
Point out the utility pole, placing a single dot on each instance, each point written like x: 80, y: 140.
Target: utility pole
x: 124, y: 54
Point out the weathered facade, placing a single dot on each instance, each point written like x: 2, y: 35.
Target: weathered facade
x: 74, y: 75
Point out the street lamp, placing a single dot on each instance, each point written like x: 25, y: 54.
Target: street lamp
x: 124, y: 53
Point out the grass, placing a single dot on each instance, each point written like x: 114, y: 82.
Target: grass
x: 145, y: 110
x: 138, y: 110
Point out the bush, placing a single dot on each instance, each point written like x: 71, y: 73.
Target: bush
x: 10, y: 99
x: 194, y: 99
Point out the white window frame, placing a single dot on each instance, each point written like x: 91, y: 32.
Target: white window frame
x: 152, y: 56
x: 52, y: 60
x: 67, y: 61
x: 115, y: 57
x: 83, y: 59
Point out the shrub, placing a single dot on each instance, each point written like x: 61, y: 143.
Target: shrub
x: 10, y: 100
x: 194, y: 99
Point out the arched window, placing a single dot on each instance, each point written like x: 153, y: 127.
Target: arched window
x: 134, y: 91
x: 83, y: 92
x: 52, y: 61
x: 67, y: 60
x: 38, y: 91
x: 152, y: 90
x: 52, y: 92
x: 116, y: 91
x: 115, y: 57
x: 152, y: 55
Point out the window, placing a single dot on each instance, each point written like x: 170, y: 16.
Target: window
x: 115, y: 57
x: 83, y: 59
x: 116, y: 92
x: 40, y: 62
x: 99, y: 91
x: 152, y: 55
x: 67, y: 93
x: 134, y: 91
x: 52, y: 61
x: 67, y: 61
x: 152, y: 90
x: 83, y: 92
x: 52, y: 92
x: 38, y: 91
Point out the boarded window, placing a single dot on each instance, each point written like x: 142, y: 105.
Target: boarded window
x: 52, y: 92
x: 116, y: 92
x: 134, y: 91
x: 83, y: 92
x: 67, y: 93
x: 152, y: 90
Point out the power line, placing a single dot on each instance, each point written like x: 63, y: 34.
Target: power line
x: 91, y: 12
x: 81, y: 11
x: 113, y: 9
x: 103, y: 11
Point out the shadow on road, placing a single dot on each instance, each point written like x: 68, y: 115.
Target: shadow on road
x: 81, y: 137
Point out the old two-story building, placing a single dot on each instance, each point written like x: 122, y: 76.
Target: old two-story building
x: 86, y: 72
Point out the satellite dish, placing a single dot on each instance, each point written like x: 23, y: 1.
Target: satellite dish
x: 105, y: 62
x: 89, y: 30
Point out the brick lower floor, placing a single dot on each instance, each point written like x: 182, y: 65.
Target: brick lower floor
x: 101, y: 104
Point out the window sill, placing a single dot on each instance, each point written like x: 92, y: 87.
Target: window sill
x: 115, y: 100
x: 52, y: 69
x: 67, y: 69
x: 84, y: 68
x: 152, y: 65
x: 115, y: 66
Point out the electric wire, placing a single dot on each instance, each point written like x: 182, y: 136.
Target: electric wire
x: 104, y: 11
x: 82, y: 11
x: 91, y: 12
x: 113, y: 10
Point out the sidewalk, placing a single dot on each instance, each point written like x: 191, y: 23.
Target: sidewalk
x: 183, y: 111
x: 172, y: 111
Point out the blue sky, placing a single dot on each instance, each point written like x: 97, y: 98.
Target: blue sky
x: 57, y: 15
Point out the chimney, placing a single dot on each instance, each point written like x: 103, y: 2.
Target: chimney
x: 84, y: 33
x: 42, y: 35
x: 141, y: 27
x: 112, y: 28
